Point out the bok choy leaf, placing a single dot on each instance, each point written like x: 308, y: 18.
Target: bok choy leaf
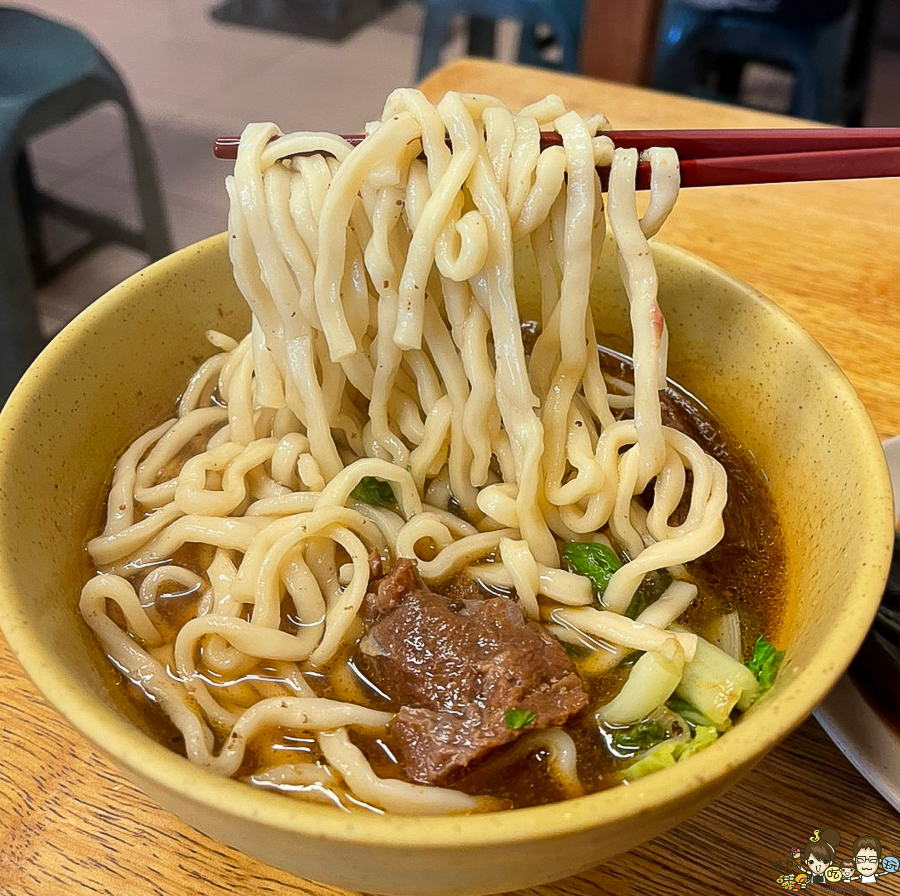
x: 639, y: 737
x: 667, y: 753
x: 375, y: 492
x: 764, y: 664
x: 596, y: 561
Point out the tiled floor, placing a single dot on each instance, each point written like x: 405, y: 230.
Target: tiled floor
x: 192, y: 78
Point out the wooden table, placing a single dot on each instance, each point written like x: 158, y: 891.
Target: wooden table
x: 830, y: 255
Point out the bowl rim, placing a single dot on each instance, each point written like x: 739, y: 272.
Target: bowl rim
x: 146, y: 760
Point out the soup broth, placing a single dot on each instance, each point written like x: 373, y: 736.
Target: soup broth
x: 743, y: 574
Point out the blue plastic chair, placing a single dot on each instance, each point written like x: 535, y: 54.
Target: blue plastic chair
x: 543, y: 22
x: 49, y: 74
x: 701, y: 51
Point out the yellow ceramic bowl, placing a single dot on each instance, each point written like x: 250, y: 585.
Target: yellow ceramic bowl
x: 122, y: 363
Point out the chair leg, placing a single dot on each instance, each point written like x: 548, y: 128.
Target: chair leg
x: 158, y: 242
x: 20, y: 332
x: 437, y: 22
x: 482, y: 36
x: 29, y: 204
x: 857, y: 72
x: 820, y: 66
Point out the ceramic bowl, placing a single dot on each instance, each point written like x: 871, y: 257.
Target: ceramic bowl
x: 120, y: 366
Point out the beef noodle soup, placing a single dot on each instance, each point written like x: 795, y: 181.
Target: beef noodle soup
x: 397, y: 550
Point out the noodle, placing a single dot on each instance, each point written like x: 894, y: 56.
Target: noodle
x: 387, y: 343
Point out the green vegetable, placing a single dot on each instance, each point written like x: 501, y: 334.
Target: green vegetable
x: 577, y: 651
x: 667, y: 753
x: 518, y: 718
x: 596, y: 561
x: 639, y: 737
x: 715, y: 682
x: 691, y: 715
x: 637, y: 606
x: 703, y: 737
x: 764, y: 664
x: 374, y: 491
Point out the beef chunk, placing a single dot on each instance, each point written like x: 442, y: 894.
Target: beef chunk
x: 376, y: 566
x: 457, y: 666
x: 401, y: 579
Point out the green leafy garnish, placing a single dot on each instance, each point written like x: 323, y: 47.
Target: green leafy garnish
x: 667, y: 753
x: 577, y: 651
x: 596, y: 561
x: 639, y: 737
x: 637, y: 606
x: 519, y: 718
x: 691, y: 715
x: 374, y: 491
x: 764, y: 663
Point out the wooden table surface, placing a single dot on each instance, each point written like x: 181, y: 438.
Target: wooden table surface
x: 827, y: 253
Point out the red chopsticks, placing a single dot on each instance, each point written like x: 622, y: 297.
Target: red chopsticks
x: 733, y: 157
x: 844, y: 164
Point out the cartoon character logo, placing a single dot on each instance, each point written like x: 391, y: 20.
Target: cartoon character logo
x: 817, y: 862
x: 867, y: 858
x: 820, y: 852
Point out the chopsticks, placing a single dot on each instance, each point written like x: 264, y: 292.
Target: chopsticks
x: 734, y: 157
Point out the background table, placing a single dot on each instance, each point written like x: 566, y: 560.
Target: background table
x: 827, y: 253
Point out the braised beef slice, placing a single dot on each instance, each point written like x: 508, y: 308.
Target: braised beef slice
x: 402, y: 578
x: 376, y: 566
x: 458, y: 666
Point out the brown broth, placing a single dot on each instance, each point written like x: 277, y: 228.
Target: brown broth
x: 744, y: 573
